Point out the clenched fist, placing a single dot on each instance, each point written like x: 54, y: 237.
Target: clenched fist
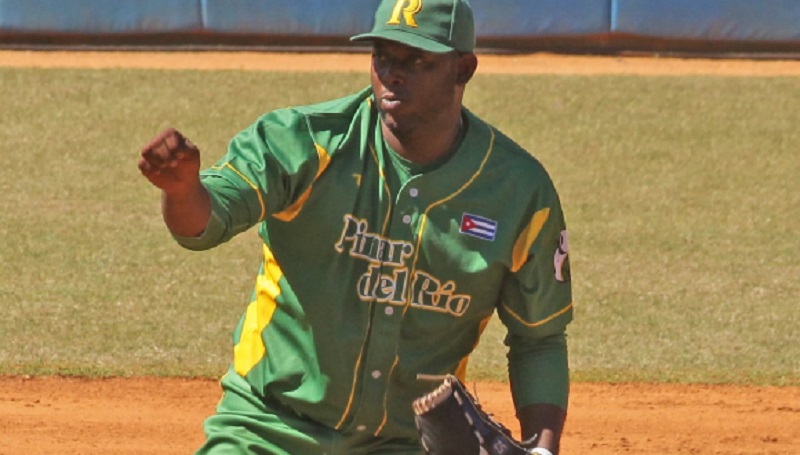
x: 171, y: 162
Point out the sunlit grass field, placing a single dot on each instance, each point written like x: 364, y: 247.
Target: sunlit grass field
x: 681, y: 193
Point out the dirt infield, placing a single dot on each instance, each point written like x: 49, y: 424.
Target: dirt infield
x: 514, y: 64
x: 45, y: 415
x: 149, y: 415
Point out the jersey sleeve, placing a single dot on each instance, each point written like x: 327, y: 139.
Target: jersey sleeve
x: 536, y: 305
x: 267, y: 168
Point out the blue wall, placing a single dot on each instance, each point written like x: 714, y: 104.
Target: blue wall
x: 282, y: 17
x: 722, y: 20
x: 546, y: 18
x: 99, y: 16
x: 515, y: 23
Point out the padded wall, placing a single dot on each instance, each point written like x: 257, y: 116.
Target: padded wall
x: 520, y: 24
x: 716, y: 20
x: 99, y: 16
x: 282, y: 17
x: 530, y: 18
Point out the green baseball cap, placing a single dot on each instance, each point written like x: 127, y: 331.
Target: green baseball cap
x: 431, y: 25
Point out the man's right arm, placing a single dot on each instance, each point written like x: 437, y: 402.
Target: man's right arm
x: 187, y: 214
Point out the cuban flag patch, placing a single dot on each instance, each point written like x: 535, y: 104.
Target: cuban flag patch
x: 478, y: 226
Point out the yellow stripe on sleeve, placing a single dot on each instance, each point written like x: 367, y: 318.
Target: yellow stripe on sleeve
x: 251, y: 349
x: 294, y: 209
x: 250, y: 184
x: 523, y: 244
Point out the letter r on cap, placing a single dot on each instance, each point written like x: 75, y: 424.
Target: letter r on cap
x: 408, y: 12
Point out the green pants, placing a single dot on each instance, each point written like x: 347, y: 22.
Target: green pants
x: 245, y: 424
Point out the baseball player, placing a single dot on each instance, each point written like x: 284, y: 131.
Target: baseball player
x: 395, y: 223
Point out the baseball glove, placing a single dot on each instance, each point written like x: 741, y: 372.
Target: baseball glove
x: 451, y: 422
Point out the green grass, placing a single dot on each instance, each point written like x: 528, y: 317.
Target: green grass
x: 681, y: 196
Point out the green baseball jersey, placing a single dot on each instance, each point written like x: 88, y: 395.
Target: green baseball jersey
x: 376, y: 270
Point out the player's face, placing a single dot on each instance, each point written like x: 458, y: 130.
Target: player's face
x: 414, y: 88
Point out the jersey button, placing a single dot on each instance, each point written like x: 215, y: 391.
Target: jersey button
x: 413, y: 192
x: 389, y: 311
x: 361, y: 427
x: 376, y: 374
x: 407, y: 219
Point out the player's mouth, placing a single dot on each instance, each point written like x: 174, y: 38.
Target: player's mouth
x: 391, y: 102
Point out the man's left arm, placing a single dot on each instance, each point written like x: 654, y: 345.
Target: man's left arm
x: 536, y: 307
x: 539, y: 374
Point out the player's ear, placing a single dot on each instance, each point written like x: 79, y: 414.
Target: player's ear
x: 467, y: 64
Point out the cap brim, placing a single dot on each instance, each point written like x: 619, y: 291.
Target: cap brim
x: 404, y: 37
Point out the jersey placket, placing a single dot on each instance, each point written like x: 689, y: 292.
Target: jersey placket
x: 391, y: 291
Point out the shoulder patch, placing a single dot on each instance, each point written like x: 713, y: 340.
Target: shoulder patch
x: 560, y: 256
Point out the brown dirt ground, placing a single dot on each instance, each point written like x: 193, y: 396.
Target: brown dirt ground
x: 44, y: 415
x: 541, y: 63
